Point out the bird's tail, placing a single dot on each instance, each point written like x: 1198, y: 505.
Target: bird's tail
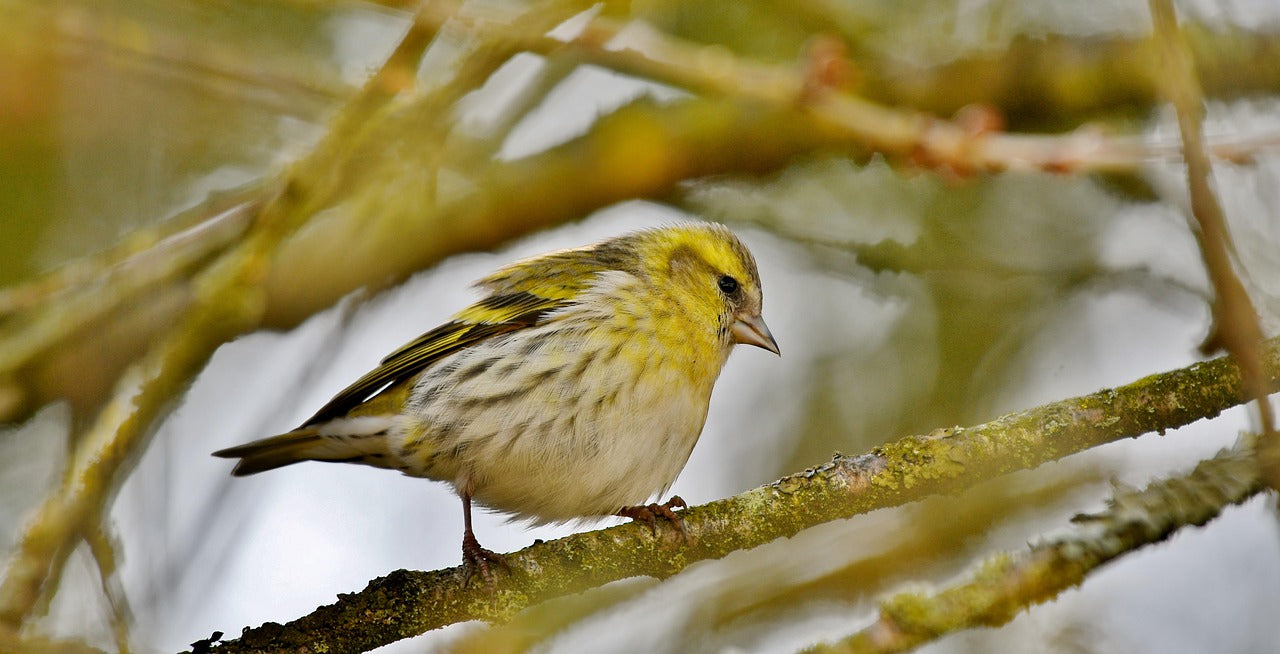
x: 307, y: 444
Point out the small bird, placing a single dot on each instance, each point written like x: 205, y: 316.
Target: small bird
x: 577, y: 387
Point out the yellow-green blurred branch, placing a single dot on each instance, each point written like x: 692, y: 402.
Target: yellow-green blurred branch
x: 227, y: 302
x: 1007, y: 584
x: 1050, y: 80
x: 385, y: 228
x: 42, y: 315
x: 146, y: 256
x: 1060, y: 80
x: 909, y: 134
x: 75, y: 347
x: 1034, y: 80
x: 227, y: 299
x: 103, y: 545
x: 405, y: 603
x: 12, y: 642
x: 287, y: 86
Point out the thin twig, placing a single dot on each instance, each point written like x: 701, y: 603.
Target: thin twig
x: 1235, y: 325
x: 102, y: 546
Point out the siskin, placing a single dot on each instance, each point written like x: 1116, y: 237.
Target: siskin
x: 577, y: 387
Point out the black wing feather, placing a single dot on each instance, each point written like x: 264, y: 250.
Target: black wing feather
x: 517, y: 311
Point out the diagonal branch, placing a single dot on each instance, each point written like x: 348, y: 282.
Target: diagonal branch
x: 1005, y: 585
x: 405, y: 603
x: 227, y: 300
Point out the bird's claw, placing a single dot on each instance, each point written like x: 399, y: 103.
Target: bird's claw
x: 478, y: 558
x: 649, y: 514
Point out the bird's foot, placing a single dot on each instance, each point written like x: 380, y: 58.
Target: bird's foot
x: 476, y: 558
x: 650, y: 513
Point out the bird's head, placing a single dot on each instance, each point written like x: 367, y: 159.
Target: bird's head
x: 710, y: 273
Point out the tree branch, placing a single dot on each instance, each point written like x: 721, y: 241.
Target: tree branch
x: 405, y: 603
x: 1055, y: 81
x: 918, y: 136
x: 227, y: 299
x: 1007, y: 584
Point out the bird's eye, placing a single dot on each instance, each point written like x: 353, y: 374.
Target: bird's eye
x: 728, y: 285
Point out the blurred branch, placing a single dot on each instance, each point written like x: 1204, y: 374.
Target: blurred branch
x: 1007, y: 584
x: 405, y: 604
x: 12, y: 642
x: 554, y: 71
x: 227, y: 299
x: 147, y: 256
x: 375, y: 183
x: 77, y: 347
x: 35, y: 318
x: 102, y: 544
x: 82, y: 33
x: 815, y: 88
x: 1057, y: 80
x: 1053, y: 79
x: 1034, y: 80
x: 1235, y: 325
x: 386, y: 231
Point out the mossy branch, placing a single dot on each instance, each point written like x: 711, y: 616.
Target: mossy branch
x: 405, y: 603
x: 1006, y: 584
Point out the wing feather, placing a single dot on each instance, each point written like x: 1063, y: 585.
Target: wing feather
x: 490, y: 317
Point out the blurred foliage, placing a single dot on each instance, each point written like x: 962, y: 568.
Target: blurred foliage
x: 118, y: 114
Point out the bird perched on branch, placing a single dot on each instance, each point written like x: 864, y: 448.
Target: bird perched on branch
x: 577, y: 387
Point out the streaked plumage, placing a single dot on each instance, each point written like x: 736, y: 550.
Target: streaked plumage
x: 578, y: 386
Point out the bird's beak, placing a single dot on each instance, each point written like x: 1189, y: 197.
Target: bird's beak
x: 751, y: 330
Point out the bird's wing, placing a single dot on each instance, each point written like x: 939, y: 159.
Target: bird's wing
x: 490, y: 317
x: 564, y: 274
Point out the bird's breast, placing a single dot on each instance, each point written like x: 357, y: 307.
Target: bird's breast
x: 563, y: 420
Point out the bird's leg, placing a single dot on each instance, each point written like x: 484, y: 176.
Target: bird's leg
x: 475, y: 557
x: 650, y: 513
